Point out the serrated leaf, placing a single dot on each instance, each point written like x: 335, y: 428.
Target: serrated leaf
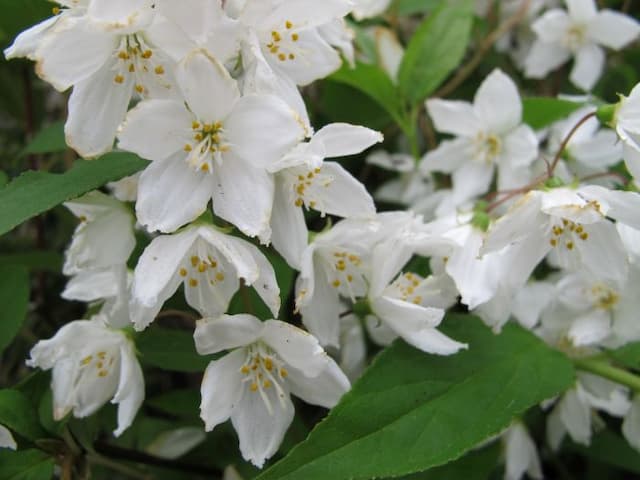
x: 14, y: 298
x: 18, y: 414
x: 170, y: 349
x: 35, y: 192
x: 48, y: 140
x: 25, y: 465
x: 418, y: 411
x: 540, y: 112
x: 375, y: 83
x: 435, y: 50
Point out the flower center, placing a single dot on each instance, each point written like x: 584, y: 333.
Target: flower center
x: 208, y: 145
x: 575, y: 37
x: 404, y: 288
x: 282, y: 43
x: 604, y: 297
x: 567, y: 233
x: 488, y: 147
x: 303, y: 182
x: 201, y: 270
x: 136, y: 59
x: 101, y: 363
x: 346, y: 273
x: 263, y: 370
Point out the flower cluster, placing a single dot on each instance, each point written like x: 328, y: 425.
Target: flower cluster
x: 208, y: 92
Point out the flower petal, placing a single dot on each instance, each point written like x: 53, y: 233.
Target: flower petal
x: 613, y: 29
x: 130, y: 393
x: 588, y: 66
x: 324, y: 389
x: 221, y: 389
x: 296, y: 347
x: 213, y: 335
x: 497, y: 103
x: 454, y: 117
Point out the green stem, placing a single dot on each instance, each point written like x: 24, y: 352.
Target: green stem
x: 604, y: 369
x: 410, y: 129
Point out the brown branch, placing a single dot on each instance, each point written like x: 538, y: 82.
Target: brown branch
x: 566, y: 140
x: 486, y: 45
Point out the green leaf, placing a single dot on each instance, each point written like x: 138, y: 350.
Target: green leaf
x: 170, y: 349
x: 18, y: 15
x: 25, y: 465
x: 35, y: 192
x: 410, y: 7
x: 540, y: 112
x: 375, y: 83
x: 629, y: 355
x: 418, y: 411
x: 18, y: 413
x: 612, y: 449
x: 180, y: 403
x: 476, y: 465
x: 48, y: 140
x: 14, y: 298
x: 435, y: 50
x: 35, y: 260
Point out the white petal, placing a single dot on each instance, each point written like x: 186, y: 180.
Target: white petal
x: 590, y: 329
x: 321, y: 312
x: 582, y: 11
x: 72, y: 52
x: 91, y: 286
x: 631, y: 424
x: 123, y: 16
x: 613, y: 29
x: 520, y: 147
x: 260, y: 431
x: 210, y: 91
x: 576, y: 417
x: 289, y: 234
x: 324, y: 389
x: 155, y: 277
x: 97, y: 106
x: 262, y: 128
x: 603, y: 252
x: 171, y: 194
x: 471, y: 179
x: 213, y: 335
x: 588, y: 66
x: 173, y: 444
x: 455, y: 117
x: 296, y: 347
x: 544, y: 58
x: 521, y: 455
x: 497, y: 103
x: 156, y: 129
x: 244, y: 197
x: 130, y: 393
x: 221, y: 389
x: 344, y: 196
x: 6, y: 439
x: 448, y: 157
x: 27, y: 42
x: 341, y: 139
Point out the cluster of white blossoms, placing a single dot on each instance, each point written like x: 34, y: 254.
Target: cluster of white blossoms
x: 208, y: 91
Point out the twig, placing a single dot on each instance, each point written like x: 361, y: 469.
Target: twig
x: 492, y: 38
x: 566, y: 140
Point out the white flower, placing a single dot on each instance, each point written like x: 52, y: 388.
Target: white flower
x: 125, y: 189
x: 6, y: 439
x: 489, y: 134
x: 112, y: 60
x: 209, y: 263
x: 521, y: 454
x: 304, y: 179
x: 589, y: 150
x: 573, y: 412
x: 91, y: 364
x: 219, y: 147
x: 573, y: 225
x: 410, y: 306
x: 251, y: 384
x: 579, y: 33
x: 104, y: 237
x: 631, y: 424
x: 337, y: 264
